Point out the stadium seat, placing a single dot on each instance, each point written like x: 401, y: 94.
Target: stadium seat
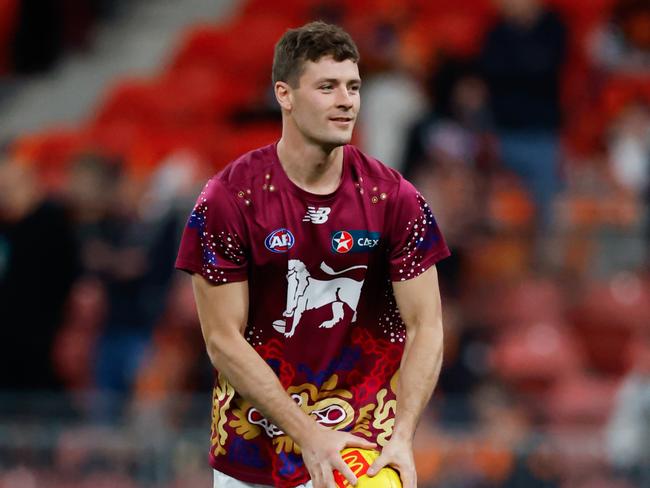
x: 607, y: 318
x: 580, y: 400
x: 129, y: 99
x: 527, y: 301
x: 49, y: 152
x: 534, y: 356
x: 295, y: 12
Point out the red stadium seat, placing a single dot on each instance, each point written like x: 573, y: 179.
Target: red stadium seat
x: 127, y: 100
x: 534, y: 356
x: 580, y: 400
x: 526, y: 302
x: 49, y: 152
x: 245, y: 138
x: 607, y: 319
x: 294, y: 12
x: 202, y: 45
x: 243, y: 49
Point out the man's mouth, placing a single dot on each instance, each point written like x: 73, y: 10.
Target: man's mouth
x: 341, y: 119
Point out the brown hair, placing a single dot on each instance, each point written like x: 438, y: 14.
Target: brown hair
x: 310, y: 43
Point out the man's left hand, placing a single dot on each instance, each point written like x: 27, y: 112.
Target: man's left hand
x: 398, y: 455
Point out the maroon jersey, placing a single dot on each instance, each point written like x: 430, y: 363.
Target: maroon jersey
x: 321, y: 307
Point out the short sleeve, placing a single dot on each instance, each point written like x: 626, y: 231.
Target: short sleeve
x: 415, y: 241
x: 214, y: 242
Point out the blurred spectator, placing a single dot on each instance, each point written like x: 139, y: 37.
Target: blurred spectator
x: 522, y: 59
x: 535, y: 466
x: 628, y: 431
x: 629, y: 149
x: 392, y: 99
x: 446, y: 153
x: 38, y: 263
x: 460, y: 126
x: 129, y: 232
x: 466, y: 367
x: 623, y: 44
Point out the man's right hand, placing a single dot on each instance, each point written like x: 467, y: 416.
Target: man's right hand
x: 321, y: 453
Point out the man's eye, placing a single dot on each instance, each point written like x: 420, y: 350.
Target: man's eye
x: 326, y: 87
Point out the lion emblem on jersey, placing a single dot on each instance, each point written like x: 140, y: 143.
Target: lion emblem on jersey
x: 304, y: 292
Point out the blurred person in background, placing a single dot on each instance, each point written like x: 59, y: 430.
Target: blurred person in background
x: 622, y: 45
x: 522, y: 59
x: 628, y: 143
x: 308, y: 360
x: 130, y: 251
x: 629, y: 149
x: 458, y: 128
x: 38, y: 264
x: 449, y: 151
x: 393, y: 98
x: 628, y: 429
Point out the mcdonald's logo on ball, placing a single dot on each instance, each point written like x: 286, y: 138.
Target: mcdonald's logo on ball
x: 359, y: 461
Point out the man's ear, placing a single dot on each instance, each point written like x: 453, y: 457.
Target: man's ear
x: 283, y: 95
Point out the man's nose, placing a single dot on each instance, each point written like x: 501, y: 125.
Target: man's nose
x: 343, y: 98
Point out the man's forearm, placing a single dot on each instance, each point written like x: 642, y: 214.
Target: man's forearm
x: 418, y: 377
x: 254, y: 380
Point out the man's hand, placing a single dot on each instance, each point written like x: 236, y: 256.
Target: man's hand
x: 397, y: 454
x: 321, y: 453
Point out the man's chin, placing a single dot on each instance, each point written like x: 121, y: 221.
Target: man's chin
x: 332, y: 141
x: 339, y: 140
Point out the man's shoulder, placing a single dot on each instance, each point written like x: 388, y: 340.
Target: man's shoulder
x: 241, y: 173
x: 373, y: 170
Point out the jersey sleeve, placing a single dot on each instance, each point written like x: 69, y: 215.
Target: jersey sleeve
x: 415, y: 241
x: 215, y: 240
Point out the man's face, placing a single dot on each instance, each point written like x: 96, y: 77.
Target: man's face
x: 326, y: 101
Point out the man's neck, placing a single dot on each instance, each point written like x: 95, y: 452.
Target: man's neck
x: 311, y: 167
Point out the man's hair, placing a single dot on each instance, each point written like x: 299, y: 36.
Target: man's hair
x: 310, y: 43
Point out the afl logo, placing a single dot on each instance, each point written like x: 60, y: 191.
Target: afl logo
x: 342, y: 242
x: 280, y: 240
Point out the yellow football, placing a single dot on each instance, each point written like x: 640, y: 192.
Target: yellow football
x: 359, y: 461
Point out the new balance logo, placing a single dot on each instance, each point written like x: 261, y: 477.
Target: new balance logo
x: 317, y: 215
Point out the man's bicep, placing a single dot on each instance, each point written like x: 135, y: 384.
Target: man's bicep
x: 222, y: 309
x: 418, y: 299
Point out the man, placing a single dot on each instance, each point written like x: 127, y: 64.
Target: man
x: 522, y: 59
x: 293, y: 248
x: 38, y: 265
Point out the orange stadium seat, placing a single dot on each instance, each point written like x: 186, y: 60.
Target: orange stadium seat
x: 49, y: 152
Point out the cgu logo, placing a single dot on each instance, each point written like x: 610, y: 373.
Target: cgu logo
x: 358, y: 465
x: 280, y: 240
